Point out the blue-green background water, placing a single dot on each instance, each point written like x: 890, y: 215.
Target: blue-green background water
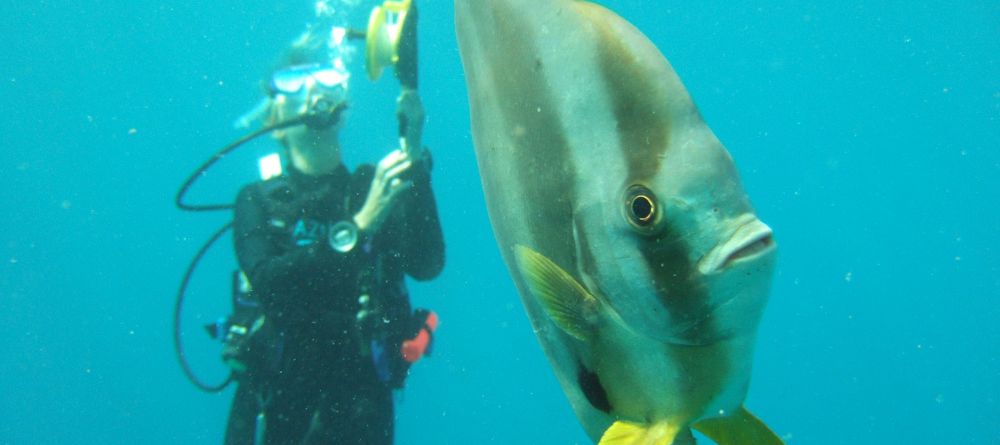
x: 867, y: 134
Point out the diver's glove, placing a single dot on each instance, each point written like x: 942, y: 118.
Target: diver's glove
x: 410, y: 112
x: 419, y: 344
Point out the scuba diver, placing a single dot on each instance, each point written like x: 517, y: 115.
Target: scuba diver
x: 325, y: 252
x: 322, y: 330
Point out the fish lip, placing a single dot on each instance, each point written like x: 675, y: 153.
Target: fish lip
x: 751, y: 239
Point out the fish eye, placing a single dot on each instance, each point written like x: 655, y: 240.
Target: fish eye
x: 641, y: 207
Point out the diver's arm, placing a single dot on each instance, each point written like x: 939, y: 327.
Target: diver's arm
x: 423, y: 242
x: 399, y: 209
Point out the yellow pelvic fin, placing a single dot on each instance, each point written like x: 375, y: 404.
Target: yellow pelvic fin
x: 570, y: 306
x: 741, y: 428
x: 630, y: 433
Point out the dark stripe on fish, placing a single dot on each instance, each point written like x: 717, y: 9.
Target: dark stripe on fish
x: 642, y: 120
x: 543, y: 162
x: 642, y: 110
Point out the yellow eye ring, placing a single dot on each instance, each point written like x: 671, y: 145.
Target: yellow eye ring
x: 640, y: 207
x: 643, y: 209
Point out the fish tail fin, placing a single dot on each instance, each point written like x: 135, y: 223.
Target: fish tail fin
x: 741, y: 428
x: 631, y: 433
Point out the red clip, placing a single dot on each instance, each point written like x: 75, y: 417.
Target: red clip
x: 414, y: 349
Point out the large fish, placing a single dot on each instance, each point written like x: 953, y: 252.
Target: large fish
x: 622, y: 219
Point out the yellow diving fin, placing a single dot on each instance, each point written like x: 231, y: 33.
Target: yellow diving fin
x: 630, y: 433
x: 570, y: 306
x: 741, y: 428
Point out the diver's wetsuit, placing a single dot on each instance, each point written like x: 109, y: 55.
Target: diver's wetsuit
x: 318, y: 383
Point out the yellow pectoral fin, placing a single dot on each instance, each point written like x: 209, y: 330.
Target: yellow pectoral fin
x: 630, y: 433
x: 570, y: 306
x: 741, y: 428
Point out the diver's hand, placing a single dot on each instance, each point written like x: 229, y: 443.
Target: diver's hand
x: 385, y: 188
x: 410, y: 112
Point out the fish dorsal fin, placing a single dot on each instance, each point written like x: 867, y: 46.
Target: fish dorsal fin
x: 741, y: 428
x: 570, y: 306
x: 631, y: 433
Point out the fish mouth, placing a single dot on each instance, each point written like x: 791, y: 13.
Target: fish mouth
x: 750, y: 240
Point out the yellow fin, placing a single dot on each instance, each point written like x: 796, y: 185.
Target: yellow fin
x: 630, y: 433
x: 741, y: 428
x: 565, y: 300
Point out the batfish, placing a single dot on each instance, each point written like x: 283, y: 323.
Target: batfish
x: 622, y: 219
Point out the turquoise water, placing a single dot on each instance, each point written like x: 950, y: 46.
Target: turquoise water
x: 867, y: 134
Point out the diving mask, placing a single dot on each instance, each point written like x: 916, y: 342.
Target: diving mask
x: 317, y: 92
x: 294, y: 80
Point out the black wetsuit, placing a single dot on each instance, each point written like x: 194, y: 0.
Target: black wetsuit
x: 320, y: 384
